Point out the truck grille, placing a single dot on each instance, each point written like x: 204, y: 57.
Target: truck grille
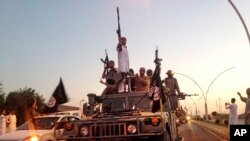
x: 106, y: 130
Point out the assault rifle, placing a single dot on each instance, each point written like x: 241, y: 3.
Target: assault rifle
x: 118, y: 31
x: 157, y: 59
x: 106, y: 60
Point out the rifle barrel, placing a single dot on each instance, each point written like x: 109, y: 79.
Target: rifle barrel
x: 118, y: 20
x: 118, y: 14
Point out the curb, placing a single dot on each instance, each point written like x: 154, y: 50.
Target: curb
x: 215, y: 130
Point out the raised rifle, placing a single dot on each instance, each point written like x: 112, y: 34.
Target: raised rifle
x: 157, y: 60
x: 156, y: 92
x: 118, y: 31
x: 106, y: 60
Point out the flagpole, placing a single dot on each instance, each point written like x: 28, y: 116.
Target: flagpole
x: 161, y: 108
x: 160, y: 85
x: 156, y: 90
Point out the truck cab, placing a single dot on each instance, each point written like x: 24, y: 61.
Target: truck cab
x: 124, y: 116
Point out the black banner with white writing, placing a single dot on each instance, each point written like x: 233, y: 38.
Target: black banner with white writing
x: 58, y: 97
x: 239, y: 132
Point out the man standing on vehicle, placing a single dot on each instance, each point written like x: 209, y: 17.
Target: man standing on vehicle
x: 123, y: 61
x: 142, y: 82
x: 172, y: 86
x: 110, y: 72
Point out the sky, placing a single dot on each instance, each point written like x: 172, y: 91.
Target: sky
x: 41, y: 41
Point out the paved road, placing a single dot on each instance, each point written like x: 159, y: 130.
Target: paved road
x: 192, y: 131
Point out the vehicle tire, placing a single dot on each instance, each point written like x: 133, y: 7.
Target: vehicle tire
x: 164, y: 137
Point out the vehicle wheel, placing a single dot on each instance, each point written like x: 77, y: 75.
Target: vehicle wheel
x: 164, y: 137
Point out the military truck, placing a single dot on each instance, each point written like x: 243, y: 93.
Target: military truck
x: 124, y: 116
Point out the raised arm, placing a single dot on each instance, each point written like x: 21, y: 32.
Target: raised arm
x: 119, y: 47
x: 105, y: 71
x: 244, y: 99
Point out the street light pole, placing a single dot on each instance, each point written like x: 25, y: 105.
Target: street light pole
x: 215, y: 79
x: 196, y: 104
x: 205, y: 94
x: 239, y: 15
x: 197, y: 84
x: 206, y: 111
x: 193, y: 81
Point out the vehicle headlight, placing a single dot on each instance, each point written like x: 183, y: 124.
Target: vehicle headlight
x: 147, y: 121
x: 131, y: 128
x: 32, y: 138
x: 155, y: 121
x: 69, y: 126
x: 84, y: 131
x: 187, y: 117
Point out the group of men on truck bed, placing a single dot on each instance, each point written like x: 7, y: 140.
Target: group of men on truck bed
x: 123, y: 79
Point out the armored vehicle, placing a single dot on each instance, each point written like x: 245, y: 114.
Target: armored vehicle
x: 124, y: 116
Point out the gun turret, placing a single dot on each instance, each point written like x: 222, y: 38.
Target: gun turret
x: 182, y: 96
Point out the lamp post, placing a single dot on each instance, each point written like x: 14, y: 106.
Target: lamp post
x: 241, y: 19
x: 205, y: 94
x: 197, y: 84
x: 211, y: 85
x: 189, y: 107
x: 196, y: 104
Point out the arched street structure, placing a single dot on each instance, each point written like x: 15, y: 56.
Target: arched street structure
x: 241, y: 19
x: 209, y: 87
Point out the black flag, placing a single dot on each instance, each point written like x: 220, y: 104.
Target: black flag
x: 58, y: 97
x: 156, y: 92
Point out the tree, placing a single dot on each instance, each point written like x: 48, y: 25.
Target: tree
x: 20, y: 99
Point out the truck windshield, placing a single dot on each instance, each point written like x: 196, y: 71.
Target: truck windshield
x: 139, y: 102
x: 114, y: 104
x: 132, y: 102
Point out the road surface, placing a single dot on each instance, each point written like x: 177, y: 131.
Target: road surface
x: 194, y: 132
